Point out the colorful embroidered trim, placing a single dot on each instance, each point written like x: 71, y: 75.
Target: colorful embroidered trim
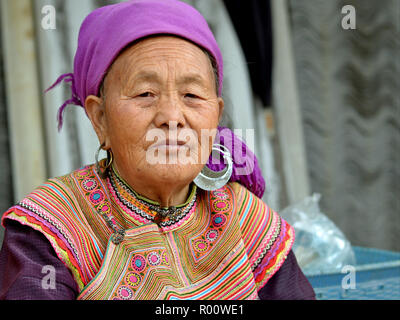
x: 267, y: 237
x: 143, y: 211
x: 226, y: 245
x: 61, y: 252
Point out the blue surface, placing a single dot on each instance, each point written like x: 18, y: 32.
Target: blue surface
x: 377, y: 276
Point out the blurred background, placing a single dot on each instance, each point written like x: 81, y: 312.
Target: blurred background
x: 319, y: 84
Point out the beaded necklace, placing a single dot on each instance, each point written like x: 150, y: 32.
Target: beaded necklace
x: 163, y: 217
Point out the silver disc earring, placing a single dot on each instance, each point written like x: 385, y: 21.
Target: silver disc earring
x: 211, y: 180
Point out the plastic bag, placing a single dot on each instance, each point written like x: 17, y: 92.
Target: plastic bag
x: 320, y: 247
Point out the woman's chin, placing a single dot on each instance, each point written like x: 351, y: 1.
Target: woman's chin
x: 167, y: 173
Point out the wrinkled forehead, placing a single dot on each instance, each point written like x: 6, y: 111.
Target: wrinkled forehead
x: 146, y: 53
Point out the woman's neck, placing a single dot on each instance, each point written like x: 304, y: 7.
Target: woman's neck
x: 165, y: 194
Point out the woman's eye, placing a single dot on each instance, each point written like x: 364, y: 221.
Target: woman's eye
x: 145, y: 95
x: 191, y: 96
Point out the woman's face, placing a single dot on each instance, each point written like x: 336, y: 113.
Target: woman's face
x: 159, y: 109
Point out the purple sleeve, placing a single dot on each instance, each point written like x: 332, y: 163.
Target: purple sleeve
x: 288, y: 283
x: 27, y: 263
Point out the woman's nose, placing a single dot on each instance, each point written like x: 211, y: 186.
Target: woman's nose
x: 169, y: 112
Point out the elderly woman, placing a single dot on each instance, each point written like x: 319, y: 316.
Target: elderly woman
x: 151, y: 221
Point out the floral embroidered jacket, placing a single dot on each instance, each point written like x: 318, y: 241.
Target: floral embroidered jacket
x: 224, y: 244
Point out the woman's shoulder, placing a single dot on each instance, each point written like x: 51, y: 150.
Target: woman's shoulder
x: 55, y: 210
x: 66, y: 182
x: 82, y: 173
x: 253, y: 211
x: 240, y: 191
x: 248, y: 204
x: 267, y: 237
x: 63, y: 188
x: 55, y: 197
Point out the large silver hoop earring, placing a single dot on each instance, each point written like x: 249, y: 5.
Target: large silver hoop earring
x: 103, y: 172
x: 211, y: 180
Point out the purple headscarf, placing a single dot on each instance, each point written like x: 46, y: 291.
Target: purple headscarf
x: 108, y: 30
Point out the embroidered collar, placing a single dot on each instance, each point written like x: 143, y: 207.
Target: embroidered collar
x: 145, y: 210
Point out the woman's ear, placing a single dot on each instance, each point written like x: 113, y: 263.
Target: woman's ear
x: 221, y: 105
x: 95, y: 109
